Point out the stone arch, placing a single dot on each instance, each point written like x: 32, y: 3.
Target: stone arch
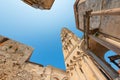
x: 55, y: 77
x: 65, y: 78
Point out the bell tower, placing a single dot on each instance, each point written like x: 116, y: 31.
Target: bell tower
x: 79, y: 64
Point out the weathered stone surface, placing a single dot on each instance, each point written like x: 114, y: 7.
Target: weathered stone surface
x: 69, y: 41
x: 110, y: 24
x: 103, y: 34
x: 106, y: 24
x: 22, y: 75
x: 15, y: 51
x: 12, y: 56
x: 15, y: 65
x: 79, y: 62
x: 41, y: 4
x: 56, y: 74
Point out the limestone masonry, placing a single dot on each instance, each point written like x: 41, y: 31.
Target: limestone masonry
x: 15, y: 65
x: 40, y: 4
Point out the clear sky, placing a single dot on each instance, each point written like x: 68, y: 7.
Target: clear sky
x: 39, y: 28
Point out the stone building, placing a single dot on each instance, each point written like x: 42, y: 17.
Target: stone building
x: 15, y: 65
x: 99, y: 20
x: 40, y: 4
x: 80, y: 65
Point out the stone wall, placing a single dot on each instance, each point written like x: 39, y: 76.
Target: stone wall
x: 41, y: 4
x: 79, y: 65
x: 15, y: 65
x: 106, y: 24
x: 103, y: 32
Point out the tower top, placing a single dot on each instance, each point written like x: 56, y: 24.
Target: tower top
x: 69, y: 41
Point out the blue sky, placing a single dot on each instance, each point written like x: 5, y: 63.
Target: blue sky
x: 110, y: 53
x: 39, y: 28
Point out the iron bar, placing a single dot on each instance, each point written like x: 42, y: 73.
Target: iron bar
x: 115, y: 11
x: 101, y: 65
x: 113, y: 58
x: 106, y: 44
x: 87, y: 28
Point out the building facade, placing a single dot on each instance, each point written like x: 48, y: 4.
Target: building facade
x: 79, y: 64
x: 15, y: 65
x: 99, y: 20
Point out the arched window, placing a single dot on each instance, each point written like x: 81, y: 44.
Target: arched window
x: 65, y: 78
x: 55, y: 77
x: 110, y: 56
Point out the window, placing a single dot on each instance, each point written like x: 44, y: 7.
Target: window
x: 107, y: 56
x: 71, y: 61
x: 81, y: 70
x: 55, y: 78
x: 74, y: 57
x: 67, y: 65
x: 78, y: 53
